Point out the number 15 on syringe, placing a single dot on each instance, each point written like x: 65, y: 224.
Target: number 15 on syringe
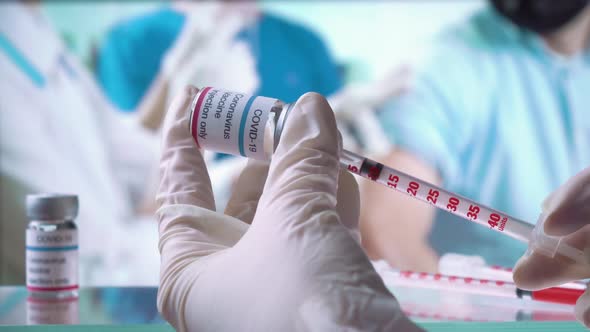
x: 442, y: 199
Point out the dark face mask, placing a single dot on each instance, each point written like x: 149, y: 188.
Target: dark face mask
x: 541, y: 16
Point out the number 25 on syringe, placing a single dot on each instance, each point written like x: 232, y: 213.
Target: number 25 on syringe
x: 432, y: 196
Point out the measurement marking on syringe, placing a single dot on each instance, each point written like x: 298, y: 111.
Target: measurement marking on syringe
x: 428, y: 193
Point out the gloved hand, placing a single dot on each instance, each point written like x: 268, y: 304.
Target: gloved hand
x: 567, y: 212
x: 207, y: 52
x: 296, y: 267
x: 230, y: 65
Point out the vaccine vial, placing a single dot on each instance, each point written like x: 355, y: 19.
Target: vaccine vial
x: 52, y: 246
x: 236, y: 123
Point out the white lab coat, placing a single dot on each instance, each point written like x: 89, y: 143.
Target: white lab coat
x: 62, y: 135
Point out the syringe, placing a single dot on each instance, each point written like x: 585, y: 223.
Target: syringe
x: 475, y: 267
x: 478, y: 286
x: 436, y: 196
x: 463, y: 207
x: 251, y: 126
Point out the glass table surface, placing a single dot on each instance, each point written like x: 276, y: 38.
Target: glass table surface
x: 136, y: 306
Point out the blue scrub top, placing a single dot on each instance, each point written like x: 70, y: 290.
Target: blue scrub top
x: 503, y: 119
x: 290, y: 59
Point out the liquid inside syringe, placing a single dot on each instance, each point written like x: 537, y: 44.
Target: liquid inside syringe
x: 431, y: 194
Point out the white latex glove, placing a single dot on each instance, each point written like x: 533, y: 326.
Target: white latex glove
x: 199, y: 26
x: 296, y: 267
x: 363, y: 100
x: 567, y: 213
x: 230, y: 65
x: 370, y: 95
x: 207, y: 53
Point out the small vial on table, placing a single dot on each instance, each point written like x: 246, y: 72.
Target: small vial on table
x: 52, y: 246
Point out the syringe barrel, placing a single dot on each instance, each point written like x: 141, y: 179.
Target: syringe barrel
x: 449, y: 282
x: 436, y: 196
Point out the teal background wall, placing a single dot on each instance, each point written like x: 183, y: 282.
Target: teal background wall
x: 369, y: 36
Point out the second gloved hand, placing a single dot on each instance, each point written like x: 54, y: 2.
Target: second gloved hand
x: 567, y: 213
x: 296, y: 267
x: 210, y: 54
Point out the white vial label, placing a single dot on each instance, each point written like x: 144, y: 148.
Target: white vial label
x: 52, y: 260
x: 231, y: 122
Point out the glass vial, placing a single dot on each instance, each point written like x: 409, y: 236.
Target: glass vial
x: 52, y: 246
x: 236, y: 123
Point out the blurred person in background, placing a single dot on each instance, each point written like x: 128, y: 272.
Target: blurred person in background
x: 219, y: 42
x: 212, y: 43
x: 58, y: 133
x: 499, y: 114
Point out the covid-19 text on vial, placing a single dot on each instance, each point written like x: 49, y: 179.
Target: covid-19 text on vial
x: 253, y: 133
